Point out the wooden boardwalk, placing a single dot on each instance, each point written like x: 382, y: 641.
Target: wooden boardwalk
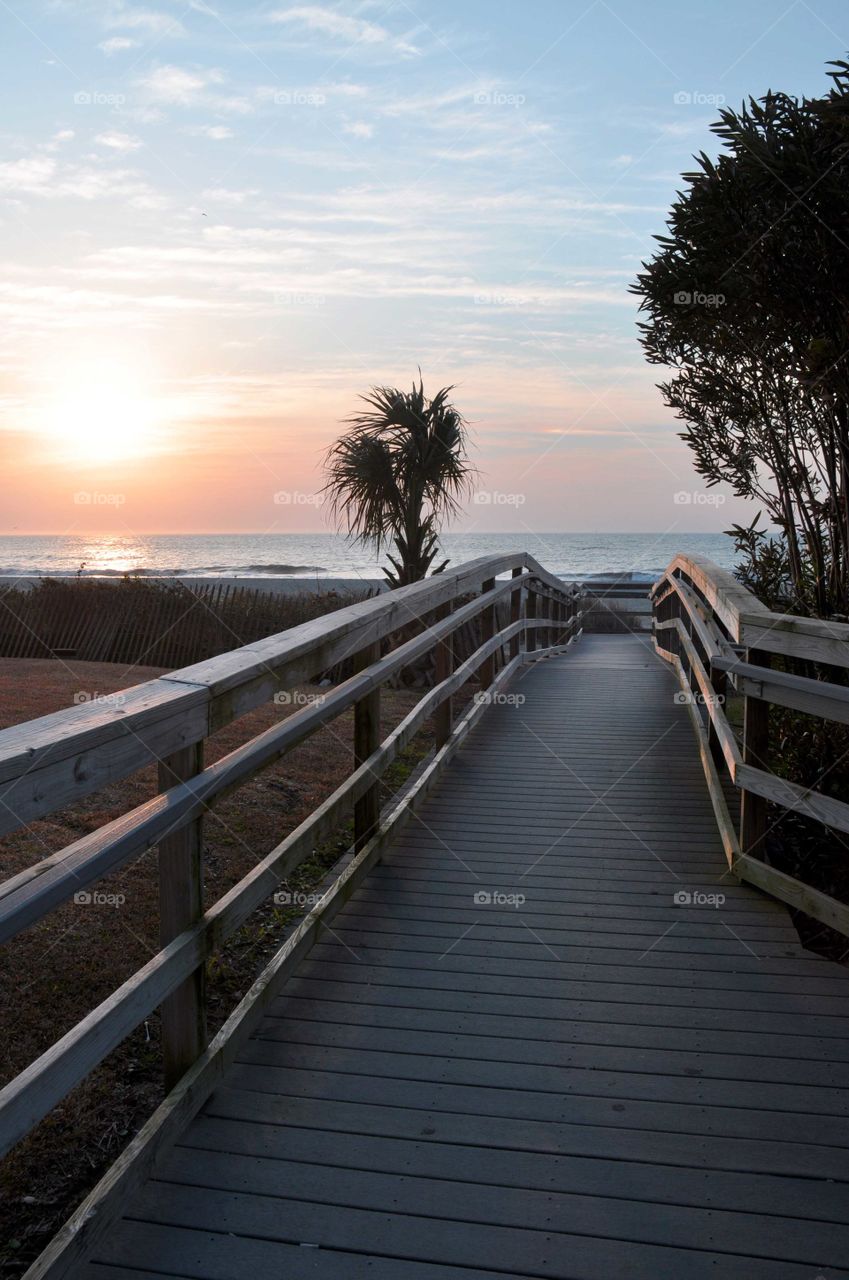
x: 514, y: 1053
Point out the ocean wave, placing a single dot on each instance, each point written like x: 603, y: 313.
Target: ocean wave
x: 197, y: 571
x: 281, y: 568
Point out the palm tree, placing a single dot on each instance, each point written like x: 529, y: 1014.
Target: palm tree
x: 398, y: 474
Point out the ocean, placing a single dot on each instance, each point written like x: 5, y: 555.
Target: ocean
x: 326, y: 555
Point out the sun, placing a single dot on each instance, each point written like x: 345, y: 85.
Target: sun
x: 97, y: 415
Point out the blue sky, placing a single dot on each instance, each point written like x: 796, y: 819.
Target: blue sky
x: 221, y: 222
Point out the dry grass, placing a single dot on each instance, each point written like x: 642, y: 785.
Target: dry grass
x: 57, y: 971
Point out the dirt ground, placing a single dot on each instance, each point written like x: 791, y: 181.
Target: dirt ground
x: 53, y: 974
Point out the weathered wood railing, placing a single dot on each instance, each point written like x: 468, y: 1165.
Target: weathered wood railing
x: 719, y: 637
x: 50, y: 763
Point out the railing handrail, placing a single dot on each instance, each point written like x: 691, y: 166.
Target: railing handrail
x: 716, y: 634
x: 751, y: 623
x: 50, y: 762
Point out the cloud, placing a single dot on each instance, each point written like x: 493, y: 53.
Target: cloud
x: 341, y: 26
x: 117, y: 44
x: 149, y: 20
x: 118, y: 141
x: 41, y: 175
x: 176, y: 85
x: 217, y: 132
x: 358, y: 129
x: 189, y: 87
x: 30, y: 175
x: 224, y: 195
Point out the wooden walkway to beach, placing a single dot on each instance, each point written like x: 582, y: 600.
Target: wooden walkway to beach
x: 533, y: 1043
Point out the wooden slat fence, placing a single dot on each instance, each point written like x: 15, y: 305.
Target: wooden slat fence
x: 155, y: 624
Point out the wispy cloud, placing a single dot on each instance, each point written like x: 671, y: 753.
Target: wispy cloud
x: 117, y: 44
x: 43, y: 176
x: 118, y: 141
x: 342, y: 27
x: 217, y: 132
x: 358, y: 129
x: 175, y: 86
x: 150, y: 21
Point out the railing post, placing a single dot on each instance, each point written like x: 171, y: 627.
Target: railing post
x: 719, y: 686
x: 516, y: 612
x: 366, y: 741
x: 753, y: 808
x: 560, y: 634
x: 487, y: 668
x: 443, y: 717
x: 180, y: 906
x: 530, y: 614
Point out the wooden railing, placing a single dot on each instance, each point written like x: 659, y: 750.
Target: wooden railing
x: 720, y: 639
x: 50, y: 763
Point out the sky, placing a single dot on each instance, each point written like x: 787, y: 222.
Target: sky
x: 221, y: 223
